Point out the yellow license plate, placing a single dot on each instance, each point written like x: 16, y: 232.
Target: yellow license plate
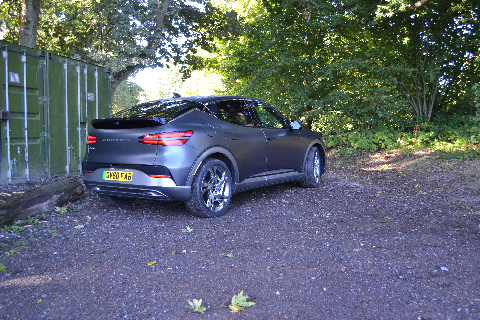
x: 117, y: 175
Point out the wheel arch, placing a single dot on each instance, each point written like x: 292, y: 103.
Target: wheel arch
x: 323, y: 154
x: 219, y: 153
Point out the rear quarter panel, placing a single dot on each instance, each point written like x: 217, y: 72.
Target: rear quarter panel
x: 180, y: 159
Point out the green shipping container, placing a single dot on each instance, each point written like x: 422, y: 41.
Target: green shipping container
x: 46, y: 105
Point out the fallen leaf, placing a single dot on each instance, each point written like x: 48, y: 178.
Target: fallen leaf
x: 152, y: 263
x: 39, y: 300
x: 235, y: 308
x: 78, y: 227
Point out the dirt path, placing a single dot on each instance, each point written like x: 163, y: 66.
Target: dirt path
x: 382, y: 238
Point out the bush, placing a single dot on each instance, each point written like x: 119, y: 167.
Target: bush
x: 457, y: 137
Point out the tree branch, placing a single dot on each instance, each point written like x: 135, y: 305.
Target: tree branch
x: 391, y: 12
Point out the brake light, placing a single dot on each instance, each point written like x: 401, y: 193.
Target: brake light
x: 91, y: 139
x: 176, y: 138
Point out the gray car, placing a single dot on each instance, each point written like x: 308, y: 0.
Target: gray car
x: 200, y: 150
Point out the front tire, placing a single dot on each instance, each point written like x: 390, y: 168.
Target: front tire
x: 211, y: 190
x: 313, y: 169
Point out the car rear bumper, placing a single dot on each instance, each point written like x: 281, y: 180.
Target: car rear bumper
x: 139, y: 192
x: 145, y: 183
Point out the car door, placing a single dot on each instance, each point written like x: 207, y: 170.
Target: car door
x: 245, y: 139
x: 284, y: 145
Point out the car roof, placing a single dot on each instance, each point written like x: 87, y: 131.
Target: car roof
x: 204, y: 99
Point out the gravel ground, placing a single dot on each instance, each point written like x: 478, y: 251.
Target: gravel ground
x: 384, y: 237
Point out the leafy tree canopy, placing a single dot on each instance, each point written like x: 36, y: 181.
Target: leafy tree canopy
x: 355, y: 64
x: 124, y: 35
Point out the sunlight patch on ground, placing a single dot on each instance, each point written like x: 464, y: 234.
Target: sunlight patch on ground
x: 396, y: 160
x: 29, y: 280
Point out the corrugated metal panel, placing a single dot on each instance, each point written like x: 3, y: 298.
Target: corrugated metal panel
x: 51, y: 101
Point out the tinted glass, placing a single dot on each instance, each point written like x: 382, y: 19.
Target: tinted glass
x: 159, y: 109
x: 234, y: 111
x: 268, y: 116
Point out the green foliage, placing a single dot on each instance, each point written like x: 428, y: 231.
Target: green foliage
x: 123, y: 35
x: 10, y: 20
x: 468, y: 154
x: 355, y: 65
x: 169, y: 82
x: 476, y: 93
x: 22, y: 244
x: 14, y: 228
x: 61, y: 210
x: 12, y: 252
x: 455, y: 137
x: 239, y: 302
x: 196, y: 306
x: 32, y: 221
x: 2, y: 267
x: 19, y: 225
x: 126, y: 95
x: 202, y: 83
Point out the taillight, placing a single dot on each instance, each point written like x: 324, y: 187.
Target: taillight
x: 91, y: 139
x: 176, y: 138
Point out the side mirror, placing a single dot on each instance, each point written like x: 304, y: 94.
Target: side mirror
x: 295, y: 125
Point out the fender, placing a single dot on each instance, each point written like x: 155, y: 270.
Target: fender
x: 215, y: 150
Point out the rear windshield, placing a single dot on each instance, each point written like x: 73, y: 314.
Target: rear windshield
x: 166, y: 110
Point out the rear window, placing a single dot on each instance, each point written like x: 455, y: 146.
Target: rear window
x: 166, y: 110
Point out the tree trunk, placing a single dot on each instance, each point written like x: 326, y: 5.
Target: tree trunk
x: 154, y: 42
x: 34, y: 202
x: 29, y: 23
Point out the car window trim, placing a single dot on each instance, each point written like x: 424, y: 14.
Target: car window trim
x: 259, y: 121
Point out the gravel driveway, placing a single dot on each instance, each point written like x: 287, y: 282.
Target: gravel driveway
x: 382, y: 238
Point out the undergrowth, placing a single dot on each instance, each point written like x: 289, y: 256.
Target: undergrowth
x: 454, y: 138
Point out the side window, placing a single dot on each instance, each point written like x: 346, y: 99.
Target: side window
x: 269, y: 117
x: 234, y: 111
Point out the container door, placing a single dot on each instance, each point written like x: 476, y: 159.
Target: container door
x: 22, y: 153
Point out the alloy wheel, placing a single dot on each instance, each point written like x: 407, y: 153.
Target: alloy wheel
x: 215, y: 188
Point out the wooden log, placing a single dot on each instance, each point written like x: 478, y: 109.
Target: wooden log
x: 34, y: 202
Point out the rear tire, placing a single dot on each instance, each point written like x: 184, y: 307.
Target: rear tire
x: 313, y: 169
x: 211, y: 190
x: 116, y: 201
